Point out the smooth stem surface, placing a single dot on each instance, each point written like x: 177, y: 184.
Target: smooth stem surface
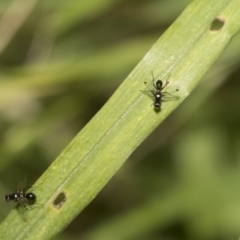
x: 185, y: 52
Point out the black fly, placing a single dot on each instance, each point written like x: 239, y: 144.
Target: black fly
x: 157, y: 93
x: 21, y: 196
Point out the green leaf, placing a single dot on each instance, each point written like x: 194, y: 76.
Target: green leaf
x: 184, y: 53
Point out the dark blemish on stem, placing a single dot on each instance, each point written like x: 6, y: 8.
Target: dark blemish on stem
x: 60, y: 200
x: 217, y: 24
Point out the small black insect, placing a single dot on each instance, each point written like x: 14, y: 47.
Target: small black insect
x: 21, y: 196
x: 157, y: 93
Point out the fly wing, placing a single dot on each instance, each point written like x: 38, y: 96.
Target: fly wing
x: 21, y: 186
x: 23, y: 201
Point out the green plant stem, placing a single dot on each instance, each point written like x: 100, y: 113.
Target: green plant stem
x: 185, y: 52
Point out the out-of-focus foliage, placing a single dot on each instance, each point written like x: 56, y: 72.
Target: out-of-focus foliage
x: 59, y: 63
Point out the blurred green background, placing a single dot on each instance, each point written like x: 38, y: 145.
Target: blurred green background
x: 60, y: 61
